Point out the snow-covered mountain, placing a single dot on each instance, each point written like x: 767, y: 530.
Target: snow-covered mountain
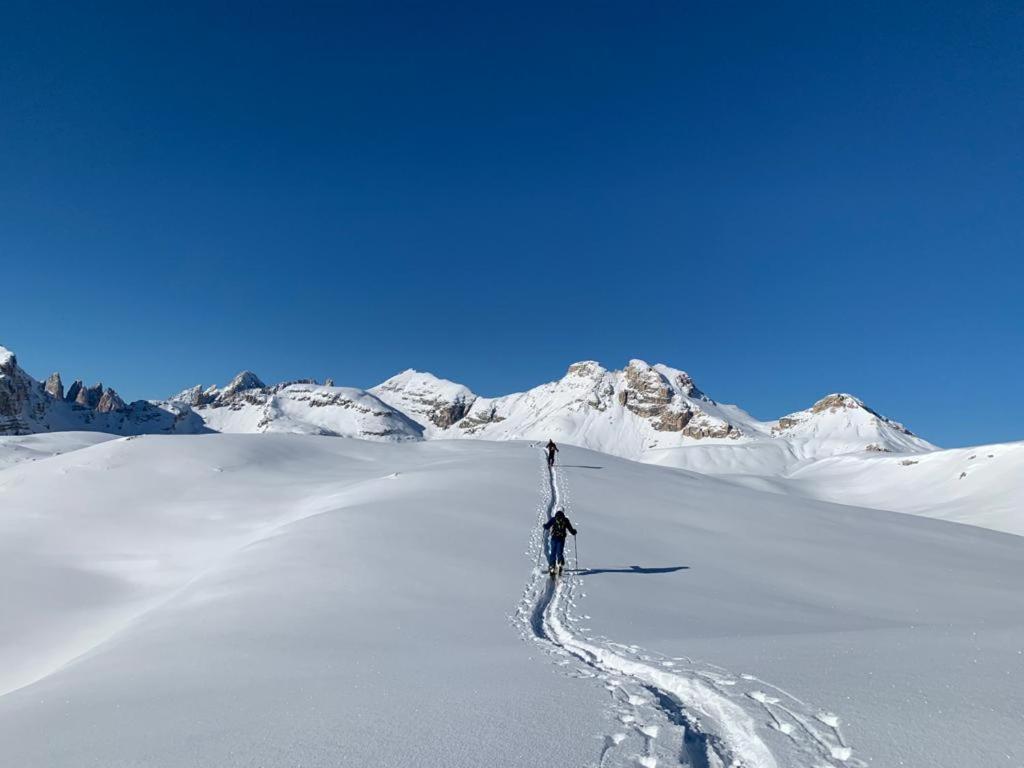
x: 647, y: 412
x: 435, y: 404
x: 322, y: 582
x: 304, y: 407
x: 28, y: 406
x: 651, y: 413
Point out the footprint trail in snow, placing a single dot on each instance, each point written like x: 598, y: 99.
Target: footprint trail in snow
x: 671, y: 711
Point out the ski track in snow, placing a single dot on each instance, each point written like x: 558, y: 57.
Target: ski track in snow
x: 669, y: 710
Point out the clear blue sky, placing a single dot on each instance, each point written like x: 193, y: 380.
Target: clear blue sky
x: 784, y: 199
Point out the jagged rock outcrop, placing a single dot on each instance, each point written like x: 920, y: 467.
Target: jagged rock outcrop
x: 110, y: 402
x: 15, y: 394
x: 29, y: 406
x: 89, y: 397
x: 54, y: 387
x: 242, y: 382
x: 73, y: 391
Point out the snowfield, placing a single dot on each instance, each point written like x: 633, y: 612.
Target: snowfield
x: 293, y: 600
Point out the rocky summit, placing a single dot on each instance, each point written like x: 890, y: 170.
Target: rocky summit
x: 643, y: 411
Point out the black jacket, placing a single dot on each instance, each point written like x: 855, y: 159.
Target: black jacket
x: 559, y: 526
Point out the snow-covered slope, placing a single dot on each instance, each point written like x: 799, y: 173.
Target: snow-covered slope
x: 623, y: 412
x: 650, y: 413
x: 841, y: 423
x: 983, y: 485
x: 249, y: 405
x: 835, y: 425
x: 435, y: 404
x: 237, y: 600
x: 14, y: 450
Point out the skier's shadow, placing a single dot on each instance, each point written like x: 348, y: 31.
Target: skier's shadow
x: 631, y: 569
x: 578, y: 466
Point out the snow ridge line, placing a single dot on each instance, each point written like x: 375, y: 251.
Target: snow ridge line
x: 683, y: 700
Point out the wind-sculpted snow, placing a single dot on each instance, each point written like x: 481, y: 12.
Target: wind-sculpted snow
x: 235, y: 600
x: 675, y: 711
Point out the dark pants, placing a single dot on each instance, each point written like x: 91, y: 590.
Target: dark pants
x: 551, y: 458
x: 557, y: 551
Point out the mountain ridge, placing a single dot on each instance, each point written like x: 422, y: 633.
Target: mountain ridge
x: 641, y: 411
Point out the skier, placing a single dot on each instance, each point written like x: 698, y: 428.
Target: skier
x: 552, y: 449
x: 558, y: 526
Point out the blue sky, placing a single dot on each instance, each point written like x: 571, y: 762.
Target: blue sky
x: 783, y: 201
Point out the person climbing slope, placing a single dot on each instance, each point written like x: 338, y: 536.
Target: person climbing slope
x: 558, y: 526
x: 552, y: 449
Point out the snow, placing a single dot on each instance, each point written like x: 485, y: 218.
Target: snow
x: 42, y: 446
x: 420, y: 395
x: 283, y: 599
x: 316, y: 410
x: 979, y: 486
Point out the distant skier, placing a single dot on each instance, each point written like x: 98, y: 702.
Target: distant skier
x: 558, y: 526
x: 552, y: 449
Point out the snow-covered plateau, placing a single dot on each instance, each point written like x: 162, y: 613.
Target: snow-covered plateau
x: 230, y: 578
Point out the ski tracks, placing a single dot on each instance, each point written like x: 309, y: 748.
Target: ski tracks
x: 670, y: 710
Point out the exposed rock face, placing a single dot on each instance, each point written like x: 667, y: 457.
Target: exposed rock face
x: 234, y: 393
x: 671, y: 402
x: 89, y: 397
x: 841, y: 423
x: 8, y: 362
x: 706, y: 430
x: 432, y: 402
x: 836, y: 403
x: 15, y: 394
x: 29, y: 406
x: 195, y: 396
x: 243, y: 381
x: 110, y: 402
x: 480, y: 418
x: 647, y: 392
x: 54, y: 387
x: 73, y: 391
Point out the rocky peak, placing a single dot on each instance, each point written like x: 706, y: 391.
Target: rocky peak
x: 110, y: 402
x: 645, y: 386
x: 8, y: 362
x: 837, y: 401
x: 89, y: 397
x: 426, y: 398
x: 586, y: 369
x: 73, y: 390
x: 855, y: 415
x: 54, y: 387
x: 243, y: 381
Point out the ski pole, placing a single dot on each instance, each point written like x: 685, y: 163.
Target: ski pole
x: 576, y: 549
